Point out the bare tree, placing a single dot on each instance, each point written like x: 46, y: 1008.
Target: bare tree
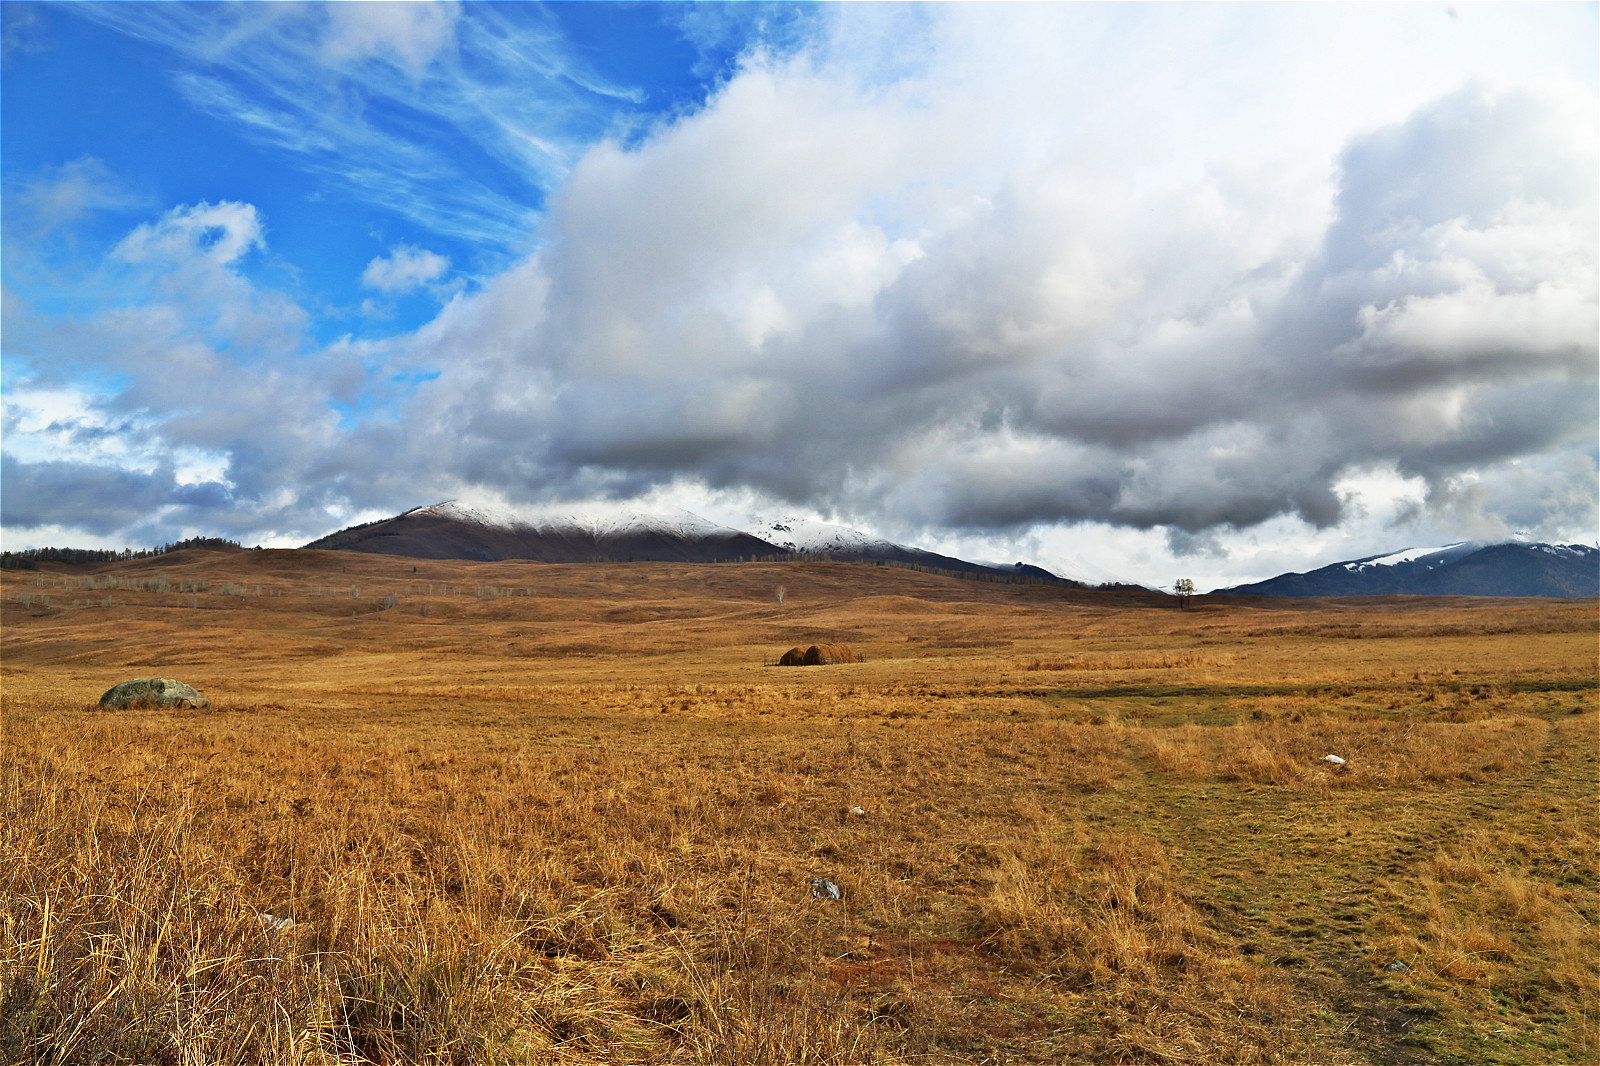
x: 1184, y: 589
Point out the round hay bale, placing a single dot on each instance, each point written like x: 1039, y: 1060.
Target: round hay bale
x: 823, y: 654
x: 818, y: 655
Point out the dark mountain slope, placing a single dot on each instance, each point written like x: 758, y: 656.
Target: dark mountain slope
x: 1553, y: 570
x: 454, y: 530
x: 448, y: 532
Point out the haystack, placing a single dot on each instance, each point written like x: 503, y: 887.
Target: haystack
x: 818, y: 655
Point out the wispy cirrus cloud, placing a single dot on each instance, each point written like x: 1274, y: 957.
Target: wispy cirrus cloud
x: 458, y: 124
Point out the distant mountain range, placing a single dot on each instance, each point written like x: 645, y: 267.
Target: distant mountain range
x: 455, y: 530
x: 1466, y: 569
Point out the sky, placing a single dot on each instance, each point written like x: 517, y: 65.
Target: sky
x: 1133, y: 292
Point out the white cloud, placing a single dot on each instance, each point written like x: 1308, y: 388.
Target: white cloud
x: 65, y: 194
x: 220, y: 233
x: 686, y: 276
x: 410, y: 31
x: 183, y: 301
x: 404, y: 270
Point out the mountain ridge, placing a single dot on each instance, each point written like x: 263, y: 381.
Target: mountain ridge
x: 451, y: 530
x: 616, y: 533
x: 1505, y: 568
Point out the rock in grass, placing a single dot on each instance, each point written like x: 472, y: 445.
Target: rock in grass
x: 152, y: 692
x: 824, y: 889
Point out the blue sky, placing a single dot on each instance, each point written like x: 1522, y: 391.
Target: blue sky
x: 160, y: 107
x: 1130, y: 291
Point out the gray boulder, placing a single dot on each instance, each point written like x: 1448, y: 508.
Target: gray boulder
x: 153, y: 692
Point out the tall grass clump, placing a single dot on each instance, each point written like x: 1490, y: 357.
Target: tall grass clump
x: 133, y: 933
x: 1106, y: 915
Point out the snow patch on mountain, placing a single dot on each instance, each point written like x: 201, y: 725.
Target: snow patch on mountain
x: 598, y: 519
x: 810, y: 535
x: 1570, y: 551
x: 1410, y: 555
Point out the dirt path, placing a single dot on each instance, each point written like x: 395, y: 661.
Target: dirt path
x: 1305, y: 881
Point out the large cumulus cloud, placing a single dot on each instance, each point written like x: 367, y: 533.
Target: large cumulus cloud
x: 948, y: 269
x: 807, y: 289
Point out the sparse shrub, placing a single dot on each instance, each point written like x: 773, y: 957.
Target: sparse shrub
x: 404, y: 1009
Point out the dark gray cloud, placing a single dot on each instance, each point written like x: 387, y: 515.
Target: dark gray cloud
x: 100, y: 499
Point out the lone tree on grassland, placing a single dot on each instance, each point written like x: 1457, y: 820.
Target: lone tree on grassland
x: 1184, y: 588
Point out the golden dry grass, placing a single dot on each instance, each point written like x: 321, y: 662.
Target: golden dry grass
x: 456, y: 812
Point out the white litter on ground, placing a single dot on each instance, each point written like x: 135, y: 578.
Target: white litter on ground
x: 821, y: 889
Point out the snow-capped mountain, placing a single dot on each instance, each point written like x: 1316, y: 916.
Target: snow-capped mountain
x: 809, y: 535
x: 1429, y: 558
x: 457, y: 530
x: 598, y: 520
x: 1464, y: 569
x: 813, y: 537
x: 614, y: 533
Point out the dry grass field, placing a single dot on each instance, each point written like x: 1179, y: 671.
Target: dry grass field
x: 473, y: 812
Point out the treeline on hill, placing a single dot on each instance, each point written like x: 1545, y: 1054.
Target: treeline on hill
x: 30, y: 558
